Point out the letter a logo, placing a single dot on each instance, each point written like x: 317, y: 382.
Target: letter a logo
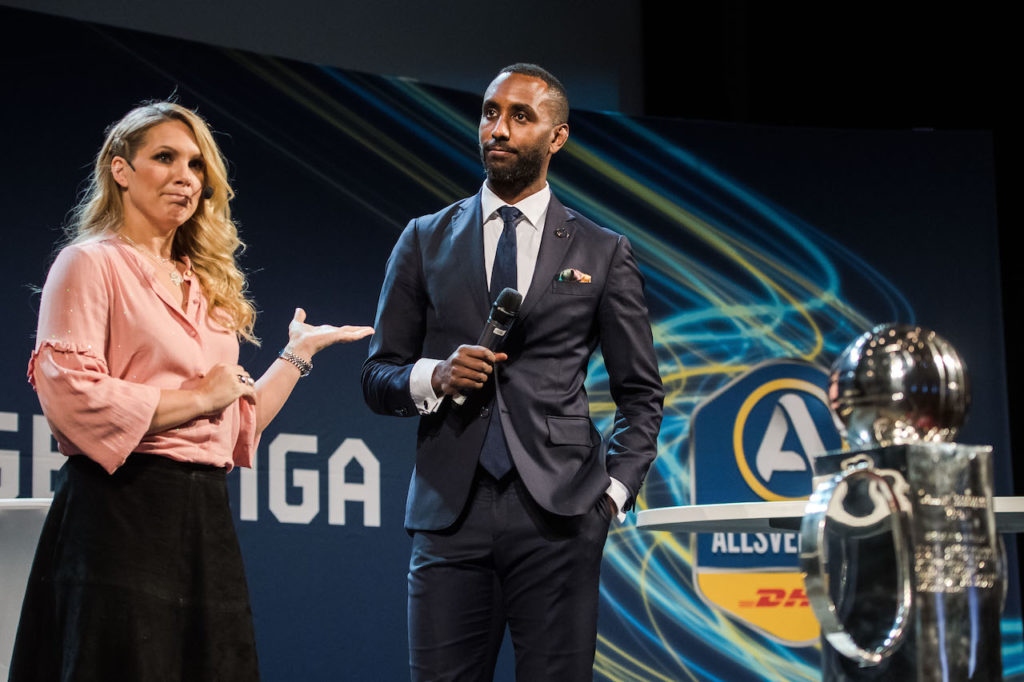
x: 790, y: 411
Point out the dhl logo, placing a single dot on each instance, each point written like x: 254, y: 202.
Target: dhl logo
x: 774, y: 603
x: 769, y: 597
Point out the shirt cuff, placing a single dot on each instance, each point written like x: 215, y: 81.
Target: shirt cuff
x: 620, y: 495
x: 420, y: 388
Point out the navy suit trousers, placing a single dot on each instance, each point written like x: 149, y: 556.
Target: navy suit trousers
x: 506, y: 561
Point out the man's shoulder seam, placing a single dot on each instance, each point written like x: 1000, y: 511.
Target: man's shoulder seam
x: 450, y: 210
x: 583, y: 221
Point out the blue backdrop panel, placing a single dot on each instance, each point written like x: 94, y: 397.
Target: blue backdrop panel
x: 757, y: 243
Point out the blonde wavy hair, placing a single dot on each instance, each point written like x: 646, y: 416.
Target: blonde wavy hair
x: 209, y: 238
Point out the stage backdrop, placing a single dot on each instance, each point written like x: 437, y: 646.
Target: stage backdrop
x: 757, y: 244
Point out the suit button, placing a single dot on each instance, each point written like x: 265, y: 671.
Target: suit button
x: 400, y: 411
x: 485, y: 412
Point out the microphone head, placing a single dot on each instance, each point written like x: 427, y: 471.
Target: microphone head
x: 207, y: 192
x: 506, y: 306
x: 509, y: 300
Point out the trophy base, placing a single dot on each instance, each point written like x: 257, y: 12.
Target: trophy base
x: 956, y: 563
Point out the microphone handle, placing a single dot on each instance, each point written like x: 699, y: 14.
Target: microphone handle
x: 491, y: 337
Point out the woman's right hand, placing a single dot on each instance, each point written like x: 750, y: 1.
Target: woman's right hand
x: 222, y: 385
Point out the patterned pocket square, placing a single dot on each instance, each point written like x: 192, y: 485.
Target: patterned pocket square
x: 573, y: 275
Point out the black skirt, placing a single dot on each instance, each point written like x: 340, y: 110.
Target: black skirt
x: 138, y: 576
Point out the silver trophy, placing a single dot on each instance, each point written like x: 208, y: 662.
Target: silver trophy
x: 903, y: 566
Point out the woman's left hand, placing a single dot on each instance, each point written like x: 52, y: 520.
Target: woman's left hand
x: 305, y: 340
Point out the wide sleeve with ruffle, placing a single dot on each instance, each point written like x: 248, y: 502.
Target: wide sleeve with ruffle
x: 90, y: 411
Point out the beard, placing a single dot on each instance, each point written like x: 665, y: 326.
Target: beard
x: 524, y: 169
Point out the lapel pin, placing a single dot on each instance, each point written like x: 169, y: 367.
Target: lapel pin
x: 561, y: 233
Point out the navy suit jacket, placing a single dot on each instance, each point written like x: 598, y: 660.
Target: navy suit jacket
x: 435, y: 298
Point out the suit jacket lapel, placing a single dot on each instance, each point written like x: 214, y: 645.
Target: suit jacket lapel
x: 552, y: 252
x: 466, y: 252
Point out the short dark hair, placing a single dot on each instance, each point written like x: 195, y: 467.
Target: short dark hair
x: 555, y: 87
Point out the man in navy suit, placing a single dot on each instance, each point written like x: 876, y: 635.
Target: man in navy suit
x: 514, y: 489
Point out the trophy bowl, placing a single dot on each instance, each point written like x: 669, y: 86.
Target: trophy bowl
x: 899, y: 384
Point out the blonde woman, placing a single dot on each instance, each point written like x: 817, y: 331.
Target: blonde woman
x: 138, y: 575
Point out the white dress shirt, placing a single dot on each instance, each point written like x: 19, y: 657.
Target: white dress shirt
x: 528, y: 232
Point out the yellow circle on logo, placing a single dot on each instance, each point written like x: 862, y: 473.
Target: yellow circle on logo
x: 741, y: 420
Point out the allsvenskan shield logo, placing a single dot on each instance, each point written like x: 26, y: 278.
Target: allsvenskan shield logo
x: 752, y: 441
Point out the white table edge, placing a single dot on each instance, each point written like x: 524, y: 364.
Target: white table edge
x: 781, y: 517
x: 25, y: 503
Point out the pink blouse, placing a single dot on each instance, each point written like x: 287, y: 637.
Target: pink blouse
x: 110, y: 338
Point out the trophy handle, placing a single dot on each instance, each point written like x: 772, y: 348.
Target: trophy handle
x: 814, y: 558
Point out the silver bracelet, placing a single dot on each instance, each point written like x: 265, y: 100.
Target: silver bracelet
x: 304, y: 366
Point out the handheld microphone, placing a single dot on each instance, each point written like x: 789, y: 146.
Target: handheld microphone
x: 503, y: 315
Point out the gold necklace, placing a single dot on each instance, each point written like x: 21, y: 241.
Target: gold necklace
x: 173, y: 273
